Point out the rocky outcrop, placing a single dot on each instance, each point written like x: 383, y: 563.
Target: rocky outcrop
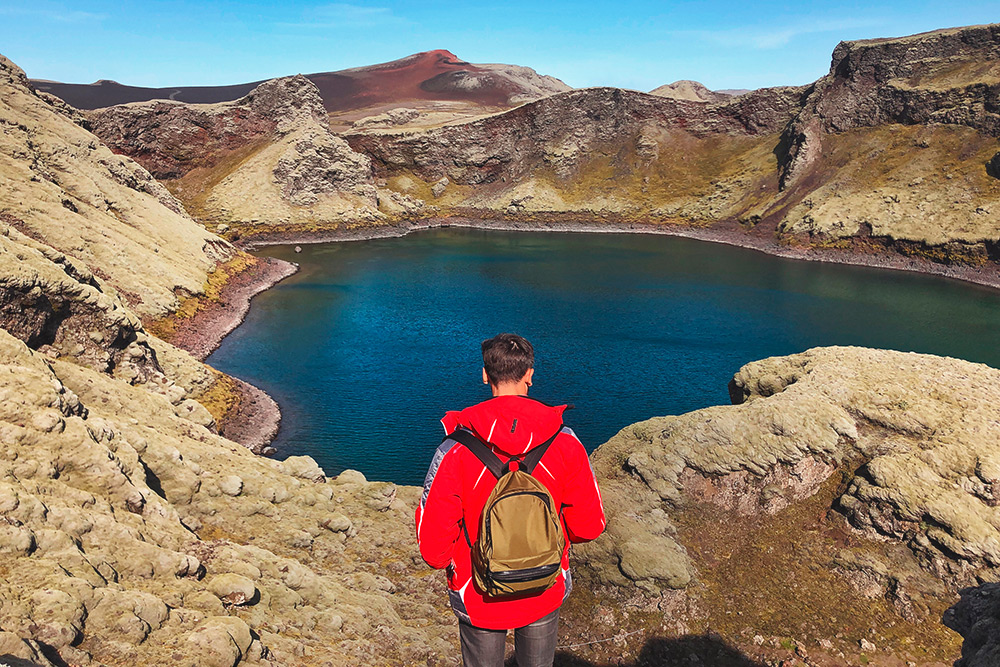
x: 171, y: 138
x: 891, y: 144
x: 399, y: 116
x: 977, y: 618
x: 877, y: 466
x: 691, y: 91
x: 993, y: 166
x: 51, y: 303
x: 103, y: 212
x: 936, y: 77
x: 138, y: 536
x: 320, y: 163
x: 267, y: 158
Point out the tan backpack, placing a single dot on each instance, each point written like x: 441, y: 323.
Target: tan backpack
x: 520, y: 544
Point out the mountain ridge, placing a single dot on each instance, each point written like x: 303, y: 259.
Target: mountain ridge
x: 436, y: 74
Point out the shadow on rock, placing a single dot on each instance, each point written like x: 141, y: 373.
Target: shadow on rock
x: 691, y: 651
x: 977, y: 618
x: 12, y: 661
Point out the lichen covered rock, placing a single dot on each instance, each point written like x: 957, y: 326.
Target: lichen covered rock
x: 99, y: 214
x: 861, y: 480
x: 130, y: 545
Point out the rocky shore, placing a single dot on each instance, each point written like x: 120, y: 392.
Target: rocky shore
x: 201, y: 333
x: 734, y: 234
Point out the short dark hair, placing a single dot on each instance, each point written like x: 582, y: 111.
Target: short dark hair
x: 507, y: 357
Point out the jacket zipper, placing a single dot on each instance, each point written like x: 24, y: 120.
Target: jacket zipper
x: 530, y: 574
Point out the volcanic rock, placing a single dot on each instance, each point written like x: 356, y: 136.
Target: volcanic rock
x: 99, y: 214
x: 888, y: 148
x: 430, y: 75
x: 898, y: 449
x: 270, y: 156
x: 126, y: 585
x: 691, y: 91
x: 977, y: 617
x: 399, y: 116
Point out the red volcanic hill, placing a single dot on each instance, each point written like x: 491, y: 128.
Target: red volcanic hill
x: 431, y: 75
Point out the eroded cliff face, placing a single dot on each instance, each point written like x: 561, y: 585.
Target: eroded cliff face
x: 847, y: 496
x: 65, y: 189
x: 93, y: 247
x: 593, y: 150
x: 268, y: 158
x: 933, y: 98
x: 892, y: 147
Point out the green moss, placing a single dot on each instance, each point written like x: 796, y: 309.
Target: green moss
x: 778, y: 572
x: 212, y: 289
x: 194, y: 188
x: 222, y: 398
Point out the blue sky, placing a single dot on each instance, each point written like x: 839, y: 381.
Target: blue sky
x: 630, y: 43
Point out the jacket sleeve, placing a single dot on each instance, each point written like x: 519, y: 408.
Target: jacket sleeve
x: 439, y: 515
x: 583, y: 512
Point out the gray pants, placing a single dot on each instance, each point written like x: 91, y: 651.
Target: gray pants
x: 534, y: 644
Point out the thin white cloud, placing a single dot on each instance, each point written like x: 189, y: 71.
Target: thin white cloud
x: 344, y: 15
x: 774, y: 37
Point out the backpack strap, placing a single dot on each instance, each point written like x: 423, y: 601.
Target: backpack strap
x: 535, y: 454
x: 527, y: 461
x: 492, y: 462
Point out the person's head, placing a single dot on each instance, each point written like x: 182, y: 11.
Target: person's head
x: 508, y: 363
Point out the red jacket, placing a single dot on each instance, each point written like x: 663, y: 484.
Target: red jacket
x: 458, y: 484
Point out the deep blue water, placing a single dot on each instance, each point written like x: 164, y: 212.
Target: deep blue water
x: 367, y: 346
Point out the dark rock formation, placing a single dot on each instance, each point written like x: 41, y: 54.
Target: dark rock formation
x: 559, y: 131
x: 977, y: 618
x: 933, y: 77
x: 993, y: 166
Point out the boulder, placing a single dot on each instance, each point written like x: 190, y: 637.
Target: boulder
x: 233, y: 589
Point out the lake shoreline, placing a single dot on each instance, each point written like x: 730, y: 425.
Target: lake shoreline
x: 255, y: 420
x: 202, y: 332
x: 983, y: 277
x: 259, y: 418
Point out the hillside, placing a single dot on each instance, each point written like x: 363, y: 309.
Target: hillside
x: 832, y: 515
x: 131, y: 532
x: 890, y: 147
x: 885, y: 159
x: 431, y: 75
x: 267, y: 159
x: 691, y: 91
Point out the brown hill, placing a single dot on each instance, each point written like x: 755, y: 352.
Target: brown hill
x: 431, y: 75
x: 894, y: 148
x: 691, y: 91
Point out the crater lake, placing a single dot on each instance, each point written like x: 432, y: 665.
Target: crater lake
x: 367, y: 346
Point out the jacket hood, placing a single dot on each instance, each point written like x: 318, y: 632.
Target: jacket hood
x: 513, y: 424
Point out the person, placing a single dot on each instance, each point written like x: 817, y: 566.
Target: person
x: 456, y: 489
